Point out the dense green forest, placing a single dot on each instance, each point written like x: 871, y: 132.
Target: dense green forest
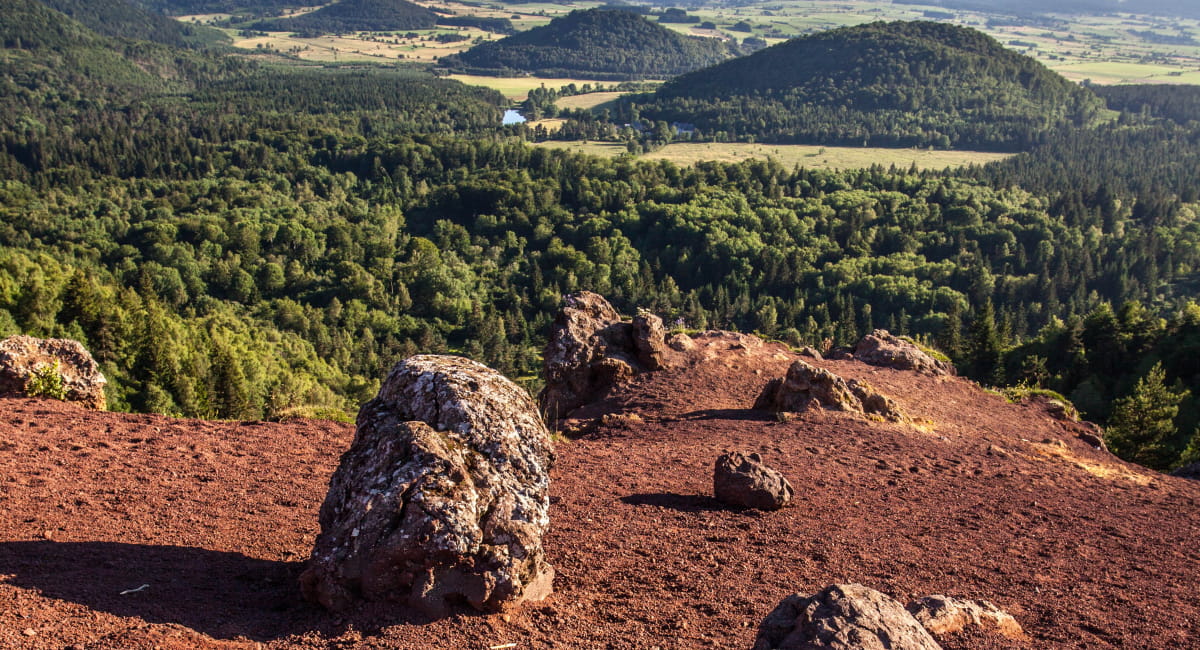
x: 1180, y: 104
x: 192, y: 7
x: 597, y: 43
x: 879, y: 84
x: 237, y: 241
x: 120, y: 18
x: 356, y: 16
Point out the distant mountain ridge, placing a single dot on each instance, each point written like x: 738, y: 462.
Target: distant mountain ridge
x: 614, y: 43
x: 357, y: 16
x: 884, y: 84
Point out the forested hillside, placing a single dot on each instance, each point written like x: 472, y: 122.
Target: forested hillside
x: 356, y: 16
x: 880, y: 84
x: 608, y: 43
x: 191, y: 7
x: 122, y: 18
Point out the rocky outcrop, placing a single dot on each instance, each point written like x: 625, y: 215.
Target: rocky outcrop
x: 22, y: 356
x: 942, y: 615
x: 846, y: 617
x: 743, y: 481
x: 881, y: 348
x: 442, y: 498
x: 806, y: 386
x: 591, y: 350
x: 1188, y: 471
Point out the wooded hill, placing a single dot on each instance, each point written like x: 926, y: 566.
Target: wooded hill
x: 123, y: 19
x: 880, y: 84
x: 356, y: 16
x: 598, y: 43
x: 191, y: 7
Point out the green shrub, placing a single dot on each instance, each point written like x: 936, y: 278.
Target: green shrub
x: 46, y: 381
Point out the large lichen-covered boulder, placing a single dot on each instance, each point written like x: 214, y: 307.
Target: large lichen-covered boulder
x: 443, y: 497
x: 881, y: 348
x: 22, y: 356
x: 591, y: 350
x: 843, y: 617
x: 806, y: 386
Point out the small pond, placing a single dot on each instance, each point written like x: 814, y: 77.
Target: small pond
x: 512, y: 117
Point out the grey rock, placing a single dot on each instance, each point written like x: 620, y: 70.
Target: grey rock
x: 443, y: 497
x: 649, y: 337
x: 806, y: 386
x: 21, y: 356
x: 591, y: 350
x: 743, y: 481
x: 845, y: 617
x: 881, y: 348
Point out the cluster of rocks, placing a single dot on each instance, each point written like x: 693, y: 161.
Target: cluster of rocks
x: 854, y: 617
x: 882, y: 348
x: 21, y: 357
x: 443, y: 497
x: 592, y: 349
x: 806, y: 386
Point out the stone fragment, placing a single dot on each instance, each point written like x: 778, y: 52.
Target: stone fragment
x: 845, y: 617
x: 942, y: 615
x: 22, y: 356
x: 881, y: 348
x: 649, y: 337
x: 681, y: 342
x: 806, y: 386
x: 743, y: 481
x: 443, y: 497
x: 811, y: 352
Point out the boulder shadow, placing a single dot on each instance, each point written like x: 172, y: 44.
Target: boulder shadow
x: 729, y: 414
x: 680, y: 502
x: 223, y: 595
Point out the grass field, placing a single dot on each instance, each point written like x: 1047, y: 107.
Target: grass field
x: 362, y: 47
x: 590, y: 100
x: 517, y: 88
x: 686, y: 153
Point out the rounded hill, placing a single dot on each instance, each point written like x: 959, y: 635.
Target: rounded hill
x: 357, y: 16
x: 600, y: 43
x: 880, y: 84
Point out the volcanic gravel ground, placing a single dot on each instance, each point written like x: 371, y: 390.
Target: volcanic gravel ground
x: 976, y: 498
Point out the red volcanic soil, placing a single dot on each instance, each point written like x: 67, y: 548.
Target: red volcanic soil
x: 979, y: 499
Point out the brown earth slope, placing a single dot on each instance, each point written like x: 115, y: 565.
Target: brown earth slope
x: 978, y: 498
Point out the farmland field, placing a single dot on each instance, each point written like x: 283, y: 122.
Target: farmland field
x: 588, y: 100
x: 517, y: 88
x: 686, y: 153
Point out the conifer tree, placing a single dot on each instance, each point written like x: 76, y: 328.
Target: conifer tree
x: 1142, y: 424
x: 984, y: 348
